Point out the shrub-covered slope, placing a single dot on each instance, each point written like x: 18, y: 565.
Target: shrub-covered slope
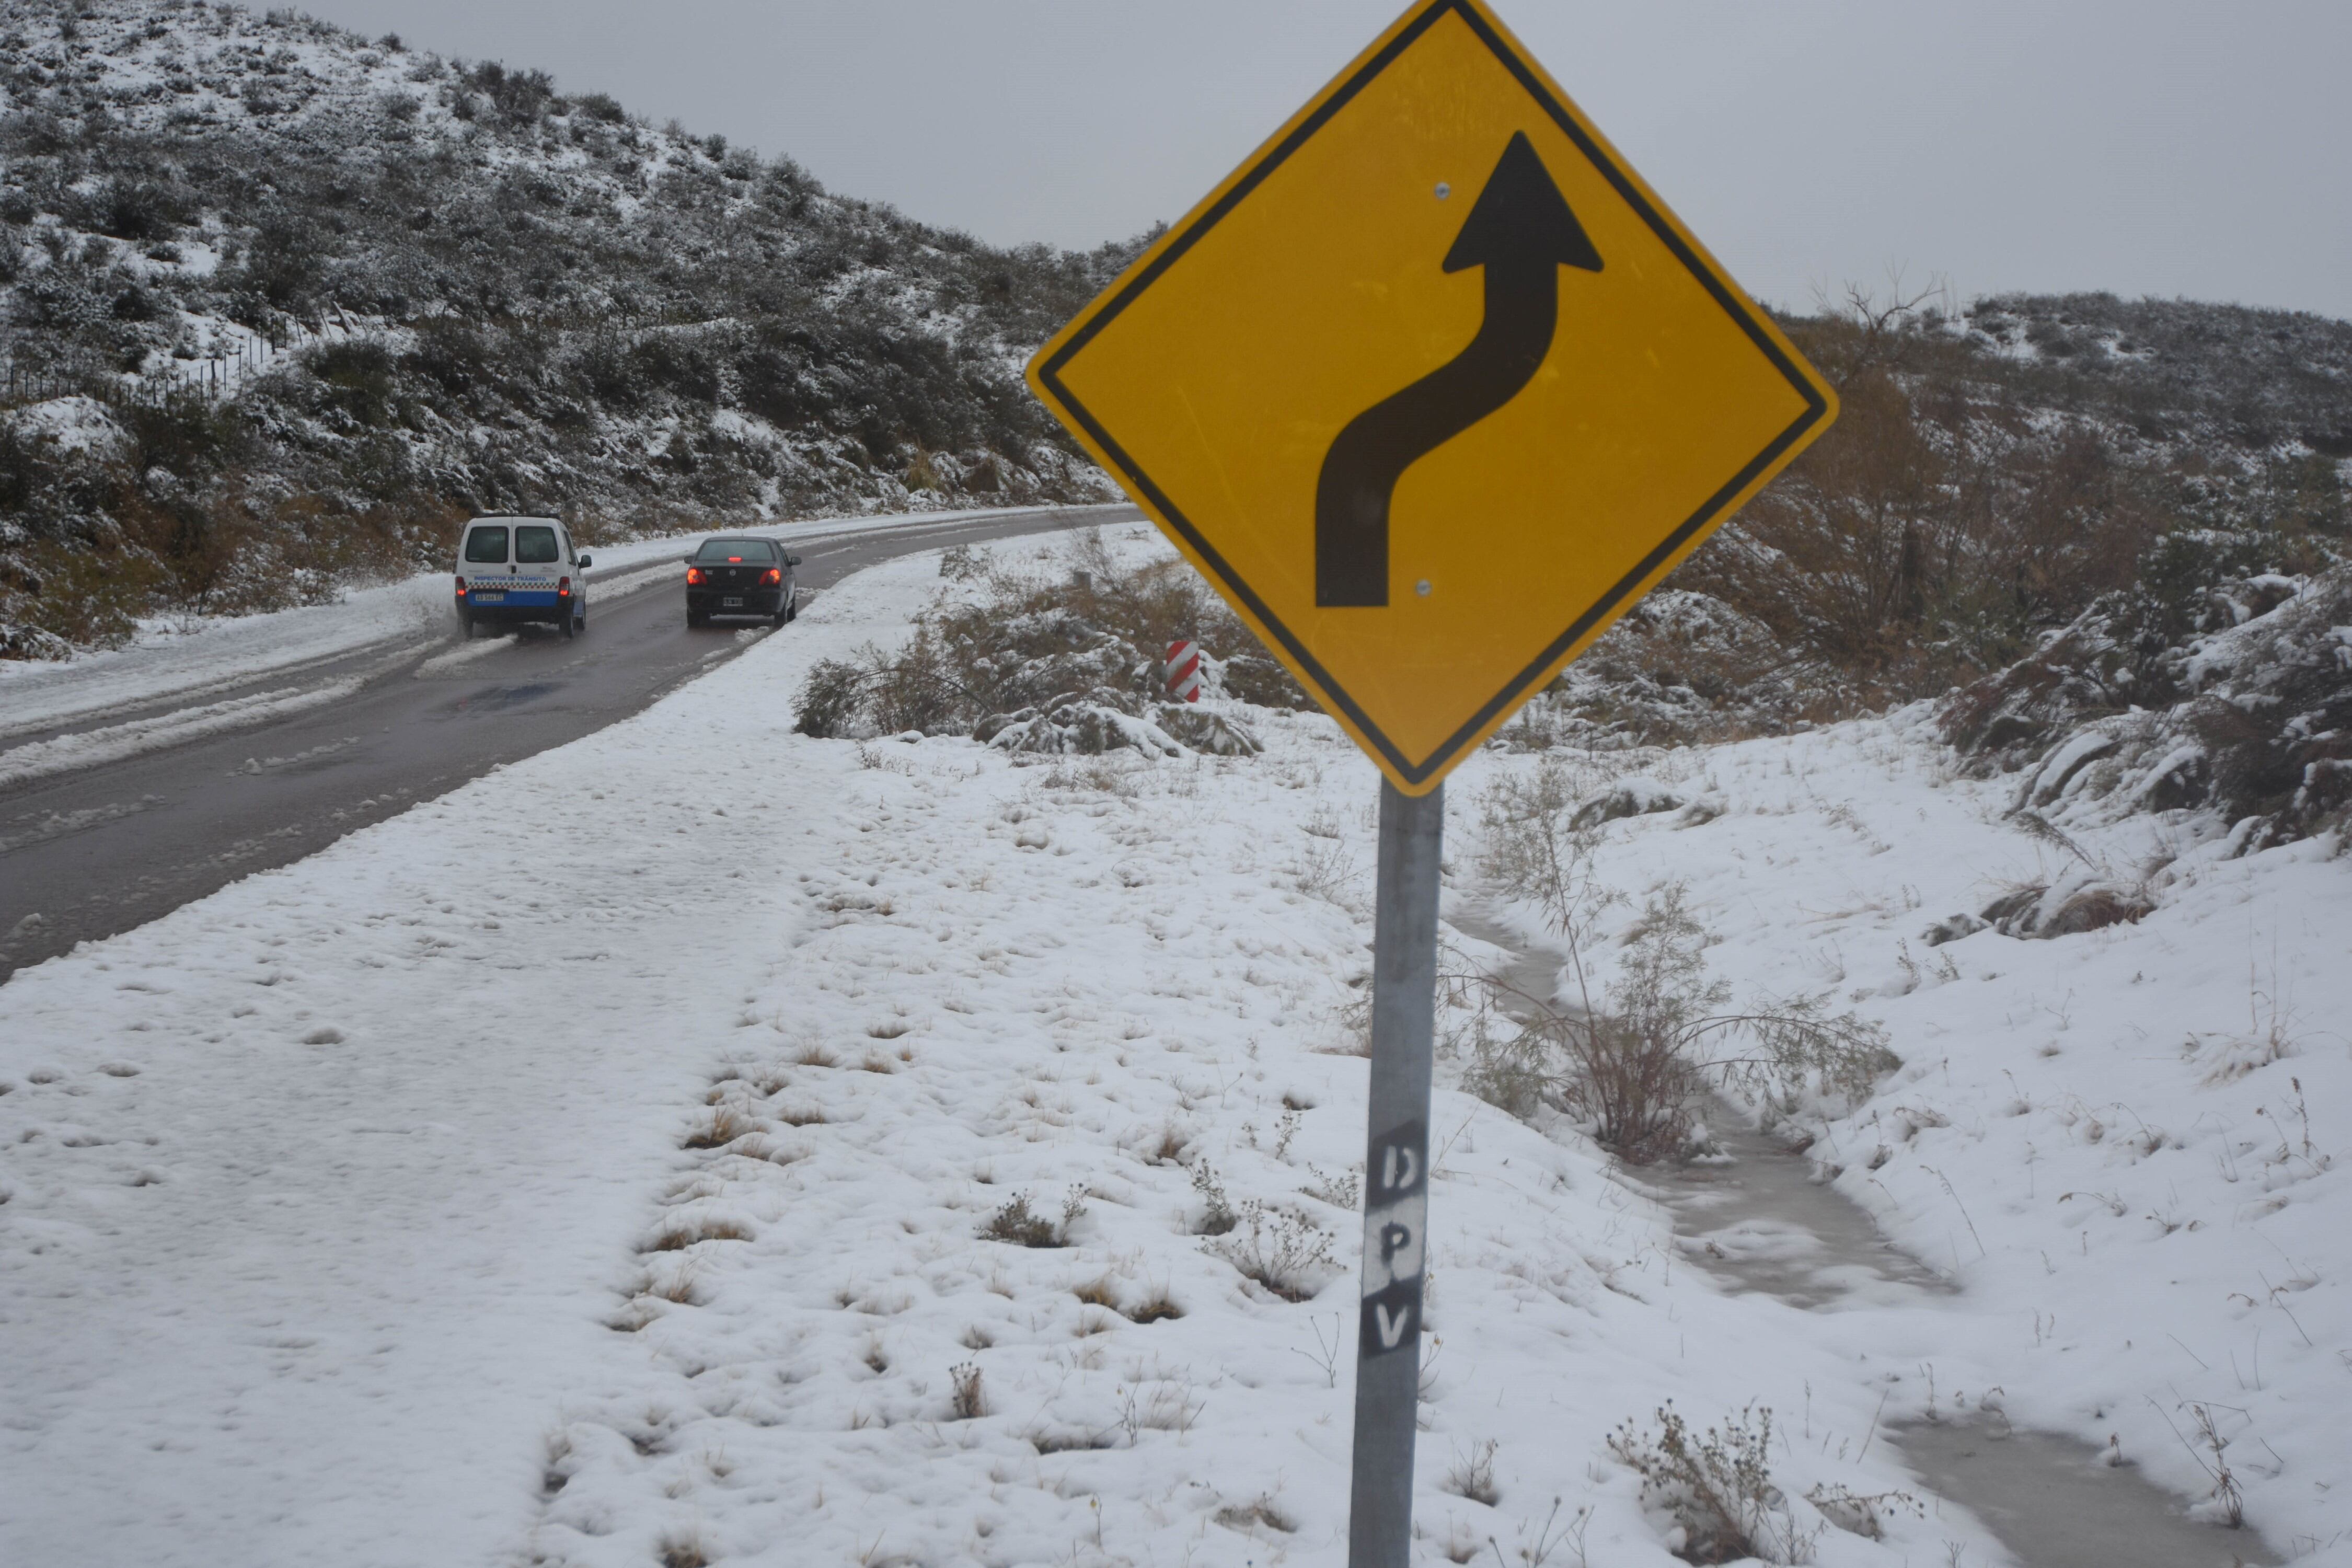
x: 2069, y: 513
x: 428, y: 287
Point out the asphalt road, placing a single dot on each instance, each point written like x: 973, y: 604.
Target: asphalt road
x: 86, y: 855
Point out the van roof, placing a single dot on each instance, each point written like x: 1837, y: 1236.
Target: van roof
x: 510, y: 517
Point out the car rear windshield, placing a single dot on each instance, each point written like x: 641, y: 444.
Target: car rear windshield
x: 725, y: 550
x: 534, y: 543
x: 487, y: 545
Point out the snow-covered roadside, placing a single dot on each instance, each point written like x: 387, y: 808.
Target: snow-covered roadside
x: 312, y: 1187
x: 90, y: 748
x: 703, y: 1275
x: 1078, y: 999
x: 2127, y: 1146
x: 184, y: 658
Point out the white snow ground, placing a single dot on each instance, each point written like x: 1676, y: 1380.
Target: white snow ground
x: 354, y: 1215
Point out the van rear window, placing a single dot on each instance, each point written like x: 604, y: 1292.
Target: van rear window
x: 487, y: 545
x: 534, y: 543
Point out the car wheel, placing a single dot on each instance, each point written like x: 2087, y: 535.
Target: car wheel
x: 793, y: 605
x: 694, y: 619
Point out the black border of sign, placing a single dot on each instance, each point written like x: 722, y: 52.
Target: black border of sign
x: 1816, y: 407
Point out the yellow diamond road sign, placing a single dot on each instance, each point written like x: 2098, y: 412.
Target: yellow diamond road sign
x: 1432, y: 388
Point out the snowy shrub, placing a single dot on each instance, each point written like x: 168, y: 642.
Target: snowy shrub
x: 1049, y: 665
x: 829, y: 699
x: 1718, y: 1487
x: 1343, y: 1190
x: 967, y: 1402
x: 1860, y: 1513
x: 1634, y: 1063
x: 725, y: 1126
x: 1022, y: 1226
x: 1217, y: 1216
x: 1281, y: 1249
x: 1473, y: 1475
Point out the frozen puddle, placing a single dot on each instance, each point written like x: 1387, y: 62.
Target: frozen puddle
x: 2054, y: 1504
x: 1756, y: 1217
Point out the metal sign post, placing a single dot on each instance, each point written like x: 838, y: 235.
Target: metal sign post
x: 1396, y: 1177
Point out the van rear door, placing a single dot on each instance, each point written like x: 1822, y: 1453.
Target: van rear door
x: 486, y: 561
x: 537, y: 565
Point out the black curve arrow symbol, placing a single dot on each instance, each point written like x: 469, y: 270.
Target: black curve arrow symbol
x: 1522, y: 232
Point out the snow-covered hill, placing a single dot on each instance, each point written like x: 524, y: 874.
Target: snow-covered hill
x: 425, y: 288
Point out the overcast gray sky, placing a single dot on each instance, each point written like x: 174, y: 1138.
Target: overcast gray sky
x: 2142, y: 146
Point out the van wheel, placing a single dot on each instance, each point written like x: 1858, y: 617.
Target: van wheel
x: 569, y: 629
x: 466, y: 628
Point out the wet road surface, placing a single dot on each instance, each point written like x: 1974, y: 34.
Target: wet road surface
x: 88, y: 854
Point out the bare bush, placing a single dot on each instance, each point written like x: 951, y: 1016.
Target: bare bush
x: 1473, y: 1475
x: 1281, y: 1249
x: 1862, y: 1513
x: 967, y: 1400
x: 1060, y: 663
x: 1022, y: 1226
x: 1634, y: 1063
x: 1718, y: 1487
x: 1217, y: 1216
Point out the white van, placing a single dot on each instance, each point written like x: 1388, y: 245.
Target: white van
x: 515, y: 569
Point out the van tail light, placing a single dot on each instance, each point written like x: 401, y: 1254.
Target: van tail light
x: 461, y: 587
x: 774, y: 576
x: 694, y: 577
x: 563, y: 587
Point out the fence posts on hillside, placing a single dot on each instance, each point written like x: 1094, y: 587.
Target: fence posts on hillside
x: 213, y: 379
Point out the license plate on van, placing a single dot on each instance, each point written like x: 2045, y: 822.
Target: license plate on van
x: 732, y: 604
x: 498, y: 598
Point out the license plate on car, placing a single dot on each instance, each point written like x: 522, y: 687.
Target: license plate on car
x: 732, y: 604
x: 490, y: 598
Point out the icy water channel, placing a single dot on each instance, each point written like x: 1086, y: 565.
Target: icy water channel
x: 1756, y: 1217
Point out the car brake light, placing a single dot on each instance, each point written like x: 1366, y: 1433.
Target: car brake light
x: 461, y: 587
x: 563, y: 587
x: 775, y: 575
x: 734, y: 561
x: 693, y: 576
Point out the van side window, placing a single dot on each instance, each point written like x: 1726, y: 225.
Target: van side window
x: 487, y: 545
x: 534, y: 544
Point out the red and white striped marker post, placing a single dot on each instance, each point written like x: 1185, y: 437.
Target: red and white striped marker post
x: 1184, y: 669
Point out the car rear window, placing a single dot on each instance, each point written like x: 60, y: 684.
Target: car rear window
x: 487, y: 545
x: 725, y: 550
x: 535, y: 543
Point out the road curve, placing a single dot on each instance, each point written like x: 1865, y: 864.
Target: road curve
x: 84, y: 855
